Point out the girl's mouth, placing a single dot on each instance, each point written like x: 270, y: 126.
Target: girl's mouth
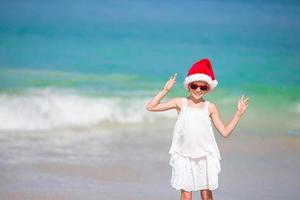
x: 197, y: 94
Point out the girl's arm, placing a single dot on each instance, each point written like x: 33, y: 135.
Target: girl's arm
x: 155, y: 105
x: 226, y: 130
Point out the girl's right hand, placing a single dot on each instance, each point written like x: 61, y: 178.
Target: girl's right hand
x: 168, y: 86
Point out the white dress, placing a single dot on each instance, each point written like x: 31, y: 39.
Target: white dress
x: 195, y: 156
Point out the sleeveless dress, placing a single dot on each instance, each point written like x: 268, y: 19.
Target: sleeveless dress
x: 195, y: 157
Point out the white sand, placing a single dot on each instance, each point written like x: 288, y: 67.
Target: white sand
x: 134, y: 165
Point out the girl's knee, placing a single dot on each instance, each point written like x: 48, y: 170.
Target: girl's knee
x: 185, y: 195
x: 206, y: 194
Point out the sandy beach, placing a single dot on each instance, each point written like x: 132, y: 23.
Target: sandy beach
x: 133, y: 164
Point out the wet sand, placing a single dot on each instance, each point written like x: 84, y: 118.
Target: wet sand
x: 130, y: 164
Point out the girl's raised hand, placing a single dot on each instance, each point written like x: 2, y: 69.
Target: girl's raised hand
x: 168, y: 86
x: 242, y: 104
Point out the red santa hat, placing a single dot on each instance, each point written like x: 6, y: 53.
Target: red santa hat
x: 201, y: 71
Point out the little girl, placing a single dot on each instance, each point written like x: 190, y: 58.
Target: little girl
x: 195, y: 157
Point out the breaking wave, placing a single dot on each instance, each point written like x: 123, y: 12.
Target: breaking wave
x: 48, y: 109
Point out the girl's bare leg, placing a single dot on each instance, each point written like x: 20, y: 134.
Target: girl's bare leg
x: 185, y: 195
x: 206, y: 194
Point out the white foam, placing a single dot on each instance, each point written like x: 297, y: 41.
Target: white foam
x: 49, y: 109
x: 295, y: 108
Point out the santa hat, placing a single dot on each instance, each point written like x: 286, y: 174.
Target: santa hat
x: 201, y: 71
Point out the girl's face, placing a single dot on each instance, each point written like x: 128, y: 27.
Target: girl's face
x: 198, y: 89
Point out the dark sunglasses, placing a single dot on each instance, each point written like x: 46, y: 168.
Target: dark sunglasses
x: 202, y: 87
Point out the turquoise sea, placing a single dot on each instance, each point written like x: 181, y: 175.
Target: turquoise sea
x: 66, y: 64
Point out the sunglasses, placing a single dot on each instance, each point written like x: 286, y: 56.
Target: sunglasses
x: 194, y: 86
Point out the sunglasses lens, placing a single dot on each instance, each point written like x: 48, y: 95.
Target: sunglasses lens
x: 194, y: 86
x: 203, y: 87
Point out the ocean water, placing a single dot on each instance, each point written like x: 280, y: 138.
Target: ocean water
x: 85, y: 64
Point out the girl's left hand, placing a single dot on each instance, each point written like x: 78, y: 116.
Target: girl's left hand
x: 242, y: 104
